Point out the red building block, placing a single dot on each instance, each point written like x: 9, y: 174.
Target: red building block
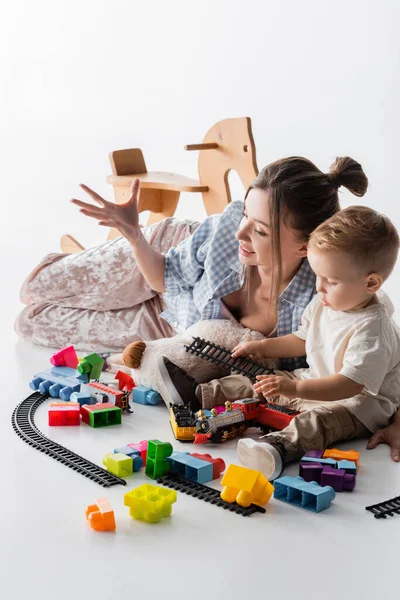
x: 125, y: 381
x: 65, y: 358
x: 64, y: 413
x: 217, y: 463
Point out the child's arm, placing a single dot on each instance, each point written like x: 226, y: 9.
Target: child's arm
x: 328, y: 389
x: 287, y: 346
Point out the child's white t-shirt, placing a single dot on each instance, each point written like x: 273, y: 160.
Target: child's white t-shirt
x: 363, y: 345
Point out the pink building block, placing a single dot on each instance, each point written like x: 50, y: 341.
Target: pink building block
x: 142, y: 448
x: 65, y: 358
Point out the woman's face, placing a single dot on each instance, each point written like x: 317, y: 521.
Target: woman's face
x: 254, y: 234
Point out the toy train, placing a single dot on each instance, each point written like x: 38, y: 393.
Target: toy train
x: 211, y: 426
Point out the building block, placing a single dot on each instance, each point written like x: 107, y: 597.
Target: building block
x: 59, y: 382
x: 144, y: 395
x: 134, y: 454
x: 326, y: 462
x: 245, y: 486
x: 118, y: 464
x: 101, y: 515
x: 125, y: 381
x: 82, y: 398
x: 190, y: 467
x: 142, y: 448
x: 150, y: 503
x: 101, y: 415
x: 339, y: 455
x: 66, y: 357
x: 157, y: 452
x: 311, y: 471
x: 308, y: 495
x: 338, y: 479
x: 347, y: 465
x: 64, y: 413
x: 217, y: 463
x: 91, y: 365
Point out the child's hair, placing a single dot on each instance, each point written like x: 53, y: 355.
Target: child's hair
x: 367, y: 236
x: 303, y: 196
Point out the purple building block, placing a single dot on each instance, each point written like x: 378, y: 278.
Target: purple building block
x: 338, y: 479
x: 311, y: 471
x: 315, y: 453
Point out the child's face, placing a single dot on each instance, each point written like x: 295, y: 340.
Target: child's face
x: 340, y: 284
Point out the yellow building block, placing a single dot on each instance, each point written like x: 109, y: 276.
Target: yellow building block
x: 118, y: 464
x: 342, y: 455
x: 246, y: 486
x: 150, y: 503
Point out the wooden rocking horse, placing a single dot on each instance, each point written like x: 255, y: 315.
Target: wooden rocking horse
x: 228, y: 145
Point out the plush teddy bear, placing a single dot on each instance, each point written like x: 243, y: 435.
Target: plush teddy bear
x: 141, y: 358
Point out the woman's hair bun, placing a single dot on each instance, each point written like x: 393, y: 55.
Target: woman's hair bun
x: 348, y: 172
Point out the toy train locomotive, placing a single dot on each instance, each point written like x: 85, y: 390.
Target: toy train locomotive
x: 209, y: 426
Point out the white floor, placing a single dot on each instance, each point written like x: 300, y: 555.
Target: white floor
x: 48, y: 551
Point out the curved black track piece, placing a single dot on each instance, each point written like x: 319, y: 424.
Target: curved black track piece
x: 222, y: 356
x: 387, y: 508
x: 24, y: 425
x: 202, y: 492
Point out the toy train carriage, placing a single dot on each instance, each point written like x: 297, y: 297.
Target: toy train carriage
x: 105, y: 393
x: 183, y: 421
x: 239, y: 415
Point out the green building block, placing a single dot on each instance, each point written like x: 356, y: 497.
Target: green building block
x: 92, y: 365
x: 102, y: 417
x: 150, y: 503
x: 118, y: 464
x: 157, y: 452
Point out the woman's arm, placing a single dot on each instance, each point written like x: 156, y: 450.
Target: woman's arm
x: 125, y: 218
x: 388, y: 435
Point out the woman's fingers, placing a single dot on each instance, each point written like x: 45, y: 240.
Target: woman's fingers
x: 96, y: 197
x: 87, y: 206
x: 134, y: 190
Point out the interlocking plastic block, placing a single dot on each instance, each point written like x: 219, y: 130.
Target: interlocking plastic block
x: 101, y: 515
x: 97, y: 389
x: 347, y: 465
x: 91, y: 365
x: 157, y: 452
x: 311, y: 471
x: 190, y: 467
x: 217, y: 463
x: 326, y: 462
x: 142, y: 448
x: 118, y: 464
x: 101, y: 415
x: 316, y: 454
x: 338, y: 479
x: 308, y: 495
x: 245, y: 486
x: 338, y: 455
x: 64, y: 413
x: 144, y: 395
x: 150, y: 503
x: 59, y: 382
x: 82, y: 398
x: 66, y: 357
x: 125, y: 381
x: 134, y: 454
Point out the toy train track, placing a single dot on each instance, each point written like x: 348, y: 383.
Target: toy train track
x: 383, y: 509
x: 23, y: 423
x: 202, y: 492
x: 222, y: 356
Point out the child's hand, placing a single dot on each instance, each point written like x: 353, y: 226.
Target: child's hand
x: 251, y: 349
x: 275, y: 385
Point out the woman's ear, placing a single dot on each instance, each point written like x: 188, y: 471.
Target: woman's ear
x: 302, y: 251
x: 373, y: 282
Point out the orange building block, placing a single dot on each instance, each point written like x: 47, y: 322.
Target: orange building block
x: 101, y: 516
x: 342, y: 455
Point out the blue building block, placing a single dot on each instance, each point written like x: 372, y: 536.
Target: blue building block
x: 348, y: 465
x: 133, y: 454
x: 82, y: 398
x: 59, y: 382
x: 309, y: 495
x: 325, y: 462
x: 190, y: 467
x: 68, y: 372
x: 144, y: 395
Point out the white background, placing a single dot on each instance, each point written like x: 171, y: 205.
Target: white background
x: 82, y: 78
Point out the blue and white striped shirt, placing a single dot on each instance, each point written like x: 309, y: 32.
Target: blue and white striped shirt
x: 205, y: 267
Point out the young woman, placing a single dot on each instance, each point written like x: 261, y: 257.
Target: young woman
x: 248, y: 262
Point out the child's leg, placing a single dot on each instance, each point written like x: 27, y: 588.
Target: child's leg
x: 218, y: 391
x: 312, y: 429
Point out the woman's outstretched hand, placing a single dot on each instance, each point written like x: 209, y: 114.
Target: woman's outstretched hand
x: 124, y: 217
x: 388, y: 435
